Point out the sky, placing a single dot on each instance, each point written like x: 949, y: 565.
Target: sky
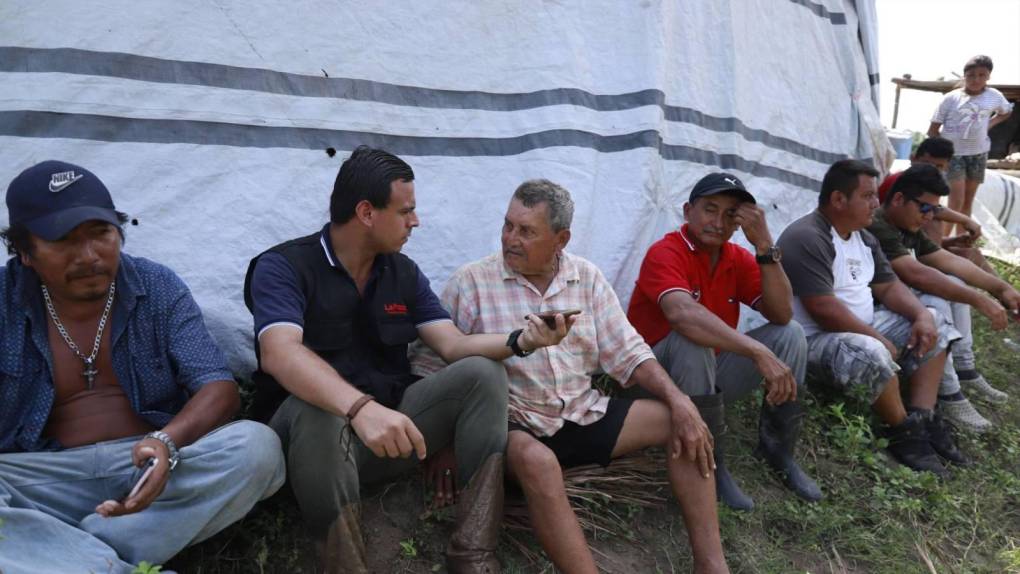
x: 933, y: 38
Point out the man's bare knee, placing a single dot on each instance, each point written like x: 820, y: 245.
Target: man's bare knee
x: 532, y: 463
x: 647, y: 424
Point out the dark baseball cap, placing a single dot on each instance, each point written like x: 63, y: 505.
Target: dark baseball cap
x: 720, y: 182
x: 53, y: 197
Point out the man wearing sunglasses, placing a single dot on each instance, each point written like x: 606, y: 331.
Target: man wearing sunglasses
x: 938, y: 151
x: 941, y: 279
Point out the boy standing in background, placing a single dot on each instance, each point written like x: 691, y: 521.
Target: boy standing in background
x: 965, y: 116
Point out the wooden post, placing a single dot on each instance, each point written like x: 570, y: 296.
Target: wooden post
x: 896, y: 107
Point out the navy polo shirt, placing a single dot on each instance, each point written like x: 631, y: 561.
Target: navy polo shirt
x: 277, y: 298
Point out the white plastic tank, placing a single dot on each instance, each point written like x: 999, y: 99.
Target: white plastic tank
x: 901, y: 140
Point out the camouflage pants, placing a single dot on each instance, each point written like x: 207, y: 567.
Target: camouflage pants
x: 848, y: 360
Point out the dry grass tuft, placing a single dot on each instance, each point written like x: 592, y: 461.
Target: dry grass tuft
x: 598, y: 495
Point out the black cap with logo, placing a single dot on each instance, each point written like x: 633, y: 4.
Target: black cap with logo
x: 720, y: 182
x: 53, y: 197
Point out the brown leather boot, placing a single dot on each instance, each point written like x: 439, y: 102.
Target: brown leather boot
x: 343, y: 550
x: 472, y: 548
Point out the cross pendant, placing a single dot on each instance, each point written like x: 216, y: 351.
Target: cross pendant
x: 90, y: 373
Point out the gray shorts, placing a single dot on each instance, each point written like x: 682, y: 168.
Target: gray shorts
x: 852, y: 360
x: 971, y: 167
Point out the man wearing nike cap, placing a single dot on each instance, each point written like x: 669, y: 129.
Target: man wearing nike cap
x: 106, y: 371
x: 687, y: 305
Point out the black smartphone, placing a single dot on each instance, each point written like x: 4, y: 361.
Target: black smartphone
x: 550, y: 316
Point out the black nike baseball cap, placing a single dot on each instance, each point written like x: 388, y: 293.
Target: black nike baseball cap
x: 53, y: 197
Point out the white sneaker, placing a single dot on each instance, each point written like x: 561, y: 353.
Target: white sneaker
x: 975, y: 384
x: 964, y: 416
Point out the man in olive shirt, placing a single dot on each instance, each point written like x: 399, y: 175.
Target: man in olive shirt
x: 942, y: 279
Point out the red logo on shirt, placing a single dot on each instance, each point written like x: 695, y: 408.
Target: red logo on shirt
x: 395, y: 309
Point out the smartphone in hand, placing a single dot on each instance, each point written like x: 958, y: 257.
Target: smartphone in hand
x: 549, y: 317
x: 149, y: 466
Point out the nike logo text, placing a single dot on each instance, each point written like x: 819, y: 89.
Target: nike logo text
x: 59, y: 181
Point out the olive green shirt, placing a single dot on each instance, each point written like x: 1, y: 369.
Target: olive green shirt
x: 896, y: 242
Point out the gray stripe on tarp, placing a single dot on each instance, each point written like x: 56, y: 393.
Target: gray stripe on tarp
x: 38, y: 124
x: 1012, y: 203
x: 1007, y: 204
x: 149, y: 69
x: 837, y: 18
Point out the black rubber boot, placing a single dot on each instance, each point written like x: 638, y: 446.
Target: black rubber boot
x: 909, y: 444
x: 778, y: 430
x: 941, y: 437
x: 714, y: 414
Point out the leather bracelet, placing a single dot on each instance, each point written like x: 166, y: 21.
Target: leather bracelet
x: 358, y: 405
x: 171, y: 447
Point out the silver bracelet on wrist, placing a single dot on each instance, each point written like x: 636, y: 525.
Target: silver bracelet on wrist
x: 171, y: 447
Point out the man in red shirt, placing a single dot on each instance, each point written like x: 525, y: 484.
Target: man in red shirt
x: 687, y: 305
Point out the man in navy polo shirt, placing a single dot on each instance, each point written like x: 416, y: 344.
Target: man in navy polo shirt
x: 334, y: 313
x: 687, y: 306
x: 107, y: 371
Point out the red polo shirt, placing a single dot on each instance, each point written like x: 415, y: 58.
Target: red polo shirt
x: 674, y: 264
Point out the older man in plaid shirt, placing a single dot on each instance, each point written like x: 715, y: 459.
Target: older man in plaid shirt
x: 557, y: 420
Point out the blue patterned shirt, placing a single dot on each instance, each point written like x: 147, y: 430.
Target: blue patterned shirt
x: 162, y: 352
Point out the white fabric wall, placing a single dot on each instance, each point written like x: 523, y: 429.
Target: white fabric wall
x: 208, y: 121
x: 996, y: 209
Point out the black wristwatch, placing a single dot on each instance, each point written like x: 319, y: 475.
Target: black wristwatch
x: 773, y: 255
x: 514, y: 346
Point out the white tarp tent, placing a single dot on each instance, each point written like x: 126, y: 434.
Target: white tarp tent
x: 996, y: 209
x: 209, y: 121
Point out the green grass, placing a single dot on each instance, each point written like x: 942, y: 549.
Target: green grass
x: 877, y: 517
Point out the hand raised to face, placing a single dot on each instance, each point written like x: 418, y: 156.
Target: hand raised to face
x: 751, y: 219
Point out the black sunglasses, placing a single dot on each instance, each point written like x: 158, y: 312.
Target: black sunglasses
x: 926, y: 208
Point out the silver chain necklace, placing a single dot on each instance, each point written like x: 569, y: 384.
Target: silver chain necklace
x: 90, y: 371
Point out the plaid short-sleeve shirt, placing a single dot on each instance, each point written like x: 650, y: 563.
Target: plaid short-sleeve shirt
x: 552, y: 385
